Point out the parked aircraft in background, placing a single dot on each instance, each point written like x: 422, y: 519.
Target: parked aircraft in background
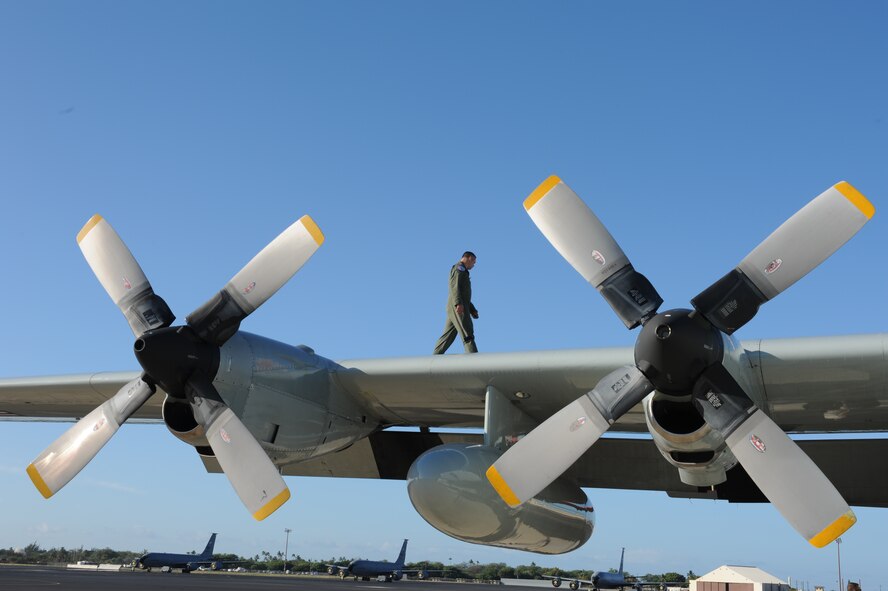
x: 608, y: 580
x: 368, y: 569
x: 186, y: 562
x: 716, y: 408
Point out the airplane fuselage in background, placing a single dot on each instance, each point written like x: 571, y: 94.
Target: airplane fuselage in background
x: 366, y: 569
x: 374, y: 568
x: 186, y: 562
x: 183, y: 561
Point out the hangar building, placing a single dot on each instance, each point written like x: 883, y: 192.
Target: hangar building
x: 738, y: 578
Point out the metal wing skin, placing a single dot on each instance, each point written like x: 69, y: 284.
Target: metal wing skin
x: 834, y: 384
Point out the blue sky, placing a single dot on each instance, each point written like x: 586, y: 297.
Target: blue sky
x: 412, y: 131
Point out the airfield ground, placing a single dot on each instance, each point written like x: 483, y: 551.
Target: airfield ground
x: 28, y: 578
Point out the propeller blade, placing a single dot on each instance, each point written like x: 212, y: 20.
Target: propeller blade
x: 254, y: 477
x: 219, y: 318
x: 782, y: 471
x: 70, y: 453
x: 793, y: 483
x: 580, y: 237
x: 117, y: 270
x: 804, y: 241
x: 554, y: 445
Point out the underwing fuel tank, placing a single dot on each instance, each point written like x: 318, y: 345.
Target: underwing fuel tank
x: 448, y: 489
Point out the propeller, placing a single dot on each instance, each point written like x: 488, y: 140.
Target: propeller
x: 575, y: 427
x: 680, y: 353
x: 67, y: 456
x: 182, y: 360
x: 117, y: 270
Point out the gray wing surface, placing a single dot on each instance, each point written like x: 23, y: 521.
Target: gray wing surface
x: 823, y: 385
x: 806, y: 385
x: 449, y: 390
x: 67, y: 397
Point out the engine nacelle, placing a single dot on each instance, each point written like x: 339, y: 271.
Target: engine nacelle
x: 179, y: 419
x: 686, y: 441
x: 422, y: 575
x: 448, y: 488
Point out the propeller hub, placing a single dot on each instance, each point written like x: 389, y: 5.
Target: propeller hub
x: 170, y: 356
x: 674, y: 348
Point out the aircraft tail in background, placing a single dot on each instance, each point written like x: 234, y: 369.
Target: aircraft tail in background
x: 622, y: 554
x: 402, y: 556
x: 208, y: 551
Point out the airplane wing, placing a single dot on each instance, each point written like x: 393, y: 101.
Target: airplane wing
x: 819, y: 385
x: 806, y: 385
x: 833, y: 384
x: 823, y: 385
x: 67, y: 397
x: 567, y: 580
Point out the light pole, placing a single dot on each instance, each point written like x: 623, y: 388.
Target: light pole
x: 286, y: 547
x: 839, y: 555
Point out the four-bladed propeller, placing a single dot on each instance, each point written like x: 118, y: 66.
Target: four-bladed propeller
x: 680, y: 352
x: 182, y: 360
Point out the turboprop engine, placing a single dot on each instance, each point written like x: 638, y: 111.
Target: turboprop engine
x: 686, y: 441
x: 179, y: 419
x: 684, y: 438
x: 689, y: 355
x: 448, y: 489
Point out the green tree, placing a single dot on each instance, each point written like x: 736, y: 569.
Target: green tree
x: 674, y: 577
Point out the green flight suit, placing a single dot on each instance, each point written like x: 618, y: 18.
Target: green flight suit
x: 460, y: 292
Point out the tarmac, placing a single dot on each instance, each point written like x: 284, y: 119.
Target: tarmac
x: 39, y: 578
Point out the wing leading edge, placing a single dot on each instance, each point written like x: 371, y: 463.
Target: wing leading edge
x: 821, y: 384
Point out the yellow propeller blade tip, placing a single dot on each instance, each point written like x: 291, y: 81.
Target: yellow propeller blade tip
x: 857, y: 198
x: 87, y: 227
x: 38, y: 481
x: 501, y: 488
x: 834, y: 530
x: 313, y: 229
x: 541, y: 191
x: 272, y: 505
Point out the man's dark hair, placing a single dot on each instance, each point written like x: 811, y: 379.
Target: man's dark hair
x: 469, y: 253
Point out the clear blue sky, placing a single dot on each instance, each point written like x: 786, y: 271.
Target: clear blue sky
x: 412, y: 131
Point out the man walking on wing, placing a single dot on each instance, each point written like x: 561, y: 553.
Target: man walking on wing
x: 460, y: 310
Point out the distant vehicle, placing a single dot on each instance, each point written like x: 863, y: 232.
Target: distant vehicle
x: 608, y: 580
x: 186, y: 562
x: 367, y: 569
